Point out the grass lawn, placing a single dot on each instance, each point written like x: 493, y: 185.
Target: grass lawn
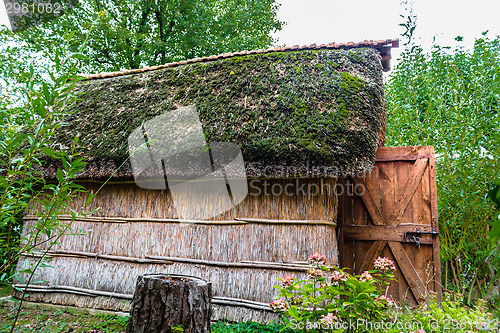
x: 68, y: 320
x: 76, y: 320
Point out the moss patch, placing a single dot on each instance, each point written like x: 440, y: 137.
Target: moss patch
x: 281, y: 108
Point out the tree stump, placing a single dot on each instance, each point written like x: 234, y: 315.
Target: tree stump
x: 164, y: 301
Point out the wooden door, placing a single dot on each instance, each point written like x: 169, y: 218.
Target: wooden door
x: 392, y: 212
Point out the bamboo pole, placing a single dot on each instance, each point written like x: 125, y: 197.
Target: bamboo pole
x: 78, y: 254
x: 274, y: 221
x: 94, y: 293
x: 238, y: 220
x: 171, y: 260
x: 70, y: 289
x: 266, y: 265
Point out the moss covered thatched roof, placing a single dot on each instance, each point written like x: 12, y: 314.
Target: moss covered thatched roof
x: 305, y: 108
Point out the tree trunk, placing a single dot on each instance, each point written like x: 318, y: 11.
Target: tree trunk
x: 164, y: 301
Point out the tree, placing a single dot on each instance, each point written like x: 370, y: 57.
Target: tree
x: 133, y: 34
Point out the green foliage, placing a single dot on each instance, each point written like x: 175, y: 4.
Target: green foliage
x: 110, y: 322
x: 450, y: 99
x: 447, y: 316
x: 21, y: 183
x: 249, y: 327
x: 21, y: 70
x: 130, y: 34
x: 494, y: 257
x: 42, y: 107
x: 332, y: 302
x: 133, y: 34
x: 177, y: 329
x: 494, y: 195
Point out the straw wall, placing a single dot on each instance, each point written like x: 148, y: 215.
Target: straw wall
x: 242, y: 252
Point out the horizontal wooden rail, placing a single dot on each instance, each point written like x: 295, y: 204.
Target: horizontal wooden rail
x: 239, y: 220
x: 274, y: 221
x: 78, y: 254
x: 248, y: 178
x: 386, y: 232
x: 171, y: 260
x: 95, y: 293
x: 135, y: 220
x: 391, y: 154
x: 71, y: 290
x: 246, y: 264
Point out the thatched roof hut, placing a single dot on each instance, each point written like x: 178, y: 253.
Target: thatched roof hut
x: 301, y: 117
x: 322, y: 104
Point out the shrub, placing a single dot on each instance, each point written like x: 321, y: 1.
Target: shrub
x: 332, y: 299
x: 447, y: 316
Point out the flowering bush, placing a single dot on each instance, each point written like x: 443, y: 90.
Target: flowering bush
x: 366, y: 276
x: 330, y: 299
x: 384, y: 265
x: 317, y: 259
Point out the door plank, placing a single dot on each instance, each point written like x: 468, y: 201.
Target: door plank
x: 434, y: 221
x: 411, y: 276
x: 409, y: 189
x: 391, y: 154
x: 370, y: 203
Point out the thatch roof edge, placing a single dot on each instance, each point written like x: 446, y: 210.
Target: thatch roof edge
x: 382, y: 46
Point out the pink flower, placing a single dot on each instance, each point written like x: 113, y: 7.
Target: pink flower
x: 329, y: 320
x: 366, y: 277
x: 338, y: 275
x: 314, y: 273
x: 317, y: 259
x: 279, y: 305
x: 287, y: 281
x: 384, y: 264
x: 419, y: 331
x: 386, y: 299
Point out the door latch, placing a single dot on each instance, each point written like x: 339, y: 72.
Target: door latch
x: 417, y: 236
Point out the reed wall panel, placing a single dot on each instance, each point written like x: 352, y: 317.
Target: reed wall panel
x: 120, y: 277
x: 126, y: 199
x: 230, y: 243
x: 303, y: 223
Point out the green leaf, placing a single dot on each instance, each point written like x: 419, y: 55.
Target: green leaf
x: 49, y: 151
x: 293, y: 312
x: 60, y: 176
x: 15, y: 142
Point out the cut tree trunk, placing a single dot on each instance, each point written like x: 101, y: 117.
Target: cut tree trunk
x: 162, y: 302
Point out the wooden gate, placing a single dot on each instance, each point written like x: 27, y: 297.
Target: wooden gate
x: 392, y: 212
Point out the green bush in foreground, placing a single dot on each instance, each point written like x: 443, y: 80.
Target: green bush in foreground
x: 331, y: 299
